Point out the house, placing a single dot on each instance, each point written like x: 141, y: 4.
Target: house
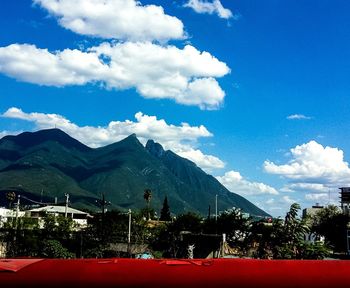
x: 79, y: 217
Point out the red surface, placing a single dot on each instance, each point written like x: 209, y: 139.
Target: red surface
x: 179, y: 273
x: 14, y: 265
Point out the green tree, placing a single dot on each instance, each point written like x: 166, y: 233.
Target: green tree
x: 147, y: 195
x: 54, y: 249
x: 331, y: 223
x: 22, y: 238
x: 288, y: 238
x: 60, y: 229
x: 234, y: 224
x: 173, y: 238
x: 165, y: 212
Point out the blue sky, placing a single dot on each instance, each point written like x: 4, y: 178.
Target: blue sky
x: 254, y: 92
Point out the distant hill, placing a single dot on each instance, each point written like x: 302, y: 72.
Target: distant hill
x: 49, y: 163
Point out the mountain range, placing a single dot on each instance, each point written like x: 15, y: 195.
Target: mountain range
x: 49, y: 163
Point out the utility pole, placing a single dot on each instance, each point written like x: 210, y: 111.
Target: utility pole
x: 103, y: 203
x: 223, y: 245
x: 66, y: 208
x: 216, y: 207
x: 17, y: 209
x: 129, y: 233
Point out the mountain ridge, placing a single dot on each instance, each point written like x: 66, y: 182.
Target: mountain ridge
x: 55, y: 162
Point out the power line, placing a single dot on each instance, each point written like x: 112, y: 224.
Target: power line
x: 37, y: 202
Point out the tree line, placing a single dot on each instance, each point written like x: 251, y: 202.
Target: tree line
x: 170, y: 237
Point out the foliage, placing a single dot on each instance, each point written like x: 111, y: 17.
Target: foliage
x: 331, y: 223
x: 171, y: 238
x: 57, y: 227
x: 25, y: 238
x: 165, y: 212
x: 98, y: 237
x: 22, y: 238
x: 285, y: 239
x: 315, y: 250
x: 281, y: 239
x: 10, y: 197
x: 147, y: 213
x: 288, y: 237
x: 54, y: 249
x: 147, y: 195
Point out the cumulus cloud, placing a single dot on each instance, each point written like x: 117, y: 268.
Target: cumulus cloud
x: 181, y: 139
x: 298, y: 117
x: 186, y: 75
x: 206, y: 162
x: 234, y: 182
x: 314, y: 170
x: 207, y: 7
x: 313, y: 163
x: 115, y: 19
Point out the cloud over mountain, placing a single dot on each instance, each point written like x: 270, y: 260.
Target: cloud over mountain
x: 182, y: 139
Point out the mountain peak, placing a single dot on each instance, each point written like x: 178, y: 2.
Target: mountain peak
x: 28, y: 139
x: 155, y: 148
x: 131, y: 138
x: 130, y: 141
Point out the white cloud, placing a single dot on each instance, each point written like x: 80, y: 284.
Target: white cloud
x: 6, y: 132
x: 304, y: 187
x: 115, y: 19
x: 315, y: 164
x: 278, y: 206
x: 183, y: 75
x: 234, y: 182
x: 206, y: 162
x: 288, y: 200
x: 298, y: 117
x: 270, y: 201
x: 207, y: 7
x: 314, y: 171
x: 30, y: 64
x: 317, y: 197
x: 181, y: 139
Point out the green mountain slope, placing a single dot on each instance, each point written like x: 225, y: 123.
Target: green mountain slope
x: 49, y: 163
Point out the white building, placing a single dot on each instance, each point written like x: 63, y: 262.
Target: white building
x: 8, y: 215
x: 311, y: 212
x: 79, y: 217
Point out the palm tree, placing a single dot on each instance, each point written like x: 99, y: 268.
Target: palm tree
x: 147, y: 195
x: 10, y: 196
